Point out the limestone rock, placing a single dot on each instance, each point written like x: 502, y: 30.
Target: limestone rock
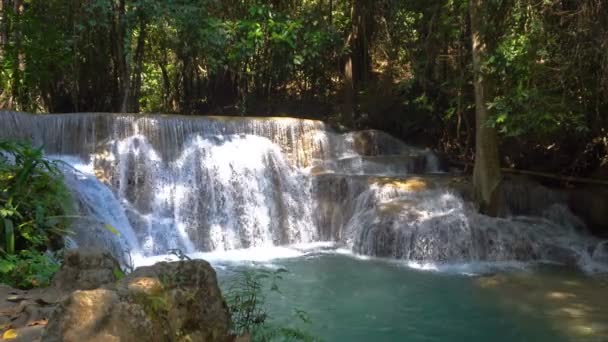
x: 86, y: 269
x: 99, y: 315
x: 178, y: 301
x: 193, y: 301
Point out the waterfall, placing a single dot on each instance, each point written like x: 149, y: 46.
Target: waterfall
x: 202, y: 184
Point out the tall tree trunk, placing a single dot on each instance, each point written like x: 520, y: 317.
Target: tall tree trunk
x: 167, y: 104
x: 138, y: 69
x: 362, y: 31
x: 17, y: 99
x: 358, y: 63
x: 3, y: 27
x: 348, y: 110
x: 4, y: 30
x: 120, y: 56
x: 486, y: 173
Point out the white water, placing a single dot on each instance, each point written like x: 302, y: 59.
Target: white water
x: 245, y: 189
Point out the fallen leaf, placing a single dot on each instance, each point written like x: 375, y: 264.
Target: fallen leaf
x: 15, y: 298
x: 10, y: 334
x: 43, y: 322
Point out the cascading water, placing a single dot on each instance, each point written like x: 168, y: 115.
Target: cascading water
x: 99, y: 211
x: 220, y: 192
x: 209, y: 183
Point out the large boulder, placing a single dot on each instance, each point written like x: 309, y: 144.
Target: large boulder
x: 86, y: 269
x: 178, y: 301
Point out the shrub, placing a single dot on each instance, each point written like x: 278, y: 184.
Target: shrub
x: 246, y: 302
x: 27, y: 269
x: 34, y: 201
x: 34, y: 214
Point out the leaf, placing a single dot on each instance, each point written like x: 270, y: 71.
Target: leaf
x: 9, y: 236
x: 10, y: 334
x: 112, y: 229
x: 118, y: 273
x: 40, y: 322
x: 6, y: 266
x: 15, y: 298
x: 298, y: 60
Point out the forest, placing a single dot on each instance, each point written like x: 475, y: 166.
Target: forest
x: 406, y: 67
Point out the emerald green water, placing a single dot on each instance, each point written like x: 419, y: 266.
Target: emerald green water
x: 349, y: 299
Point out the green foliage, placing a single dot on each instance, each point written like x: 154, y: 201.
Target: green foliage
x: 246, y: 301
x: 523, y: 64
x: 179, y: 53
x: 34, y: 215
x: 547, y: 62
x: 27, y: 269
x: 118, y: 273
x: 34, y: 202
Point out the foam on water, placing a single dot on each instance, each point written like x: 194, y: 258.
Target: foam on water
x: 269, y: 256
x: 245, y: 256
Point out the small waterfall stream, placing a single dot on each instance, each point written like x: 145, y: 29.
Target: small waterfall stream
x: 203, y: 184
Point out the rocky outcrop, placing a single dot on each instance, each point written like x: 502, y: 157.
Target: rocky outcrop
x: 178, y: 301
x: 86, y: 269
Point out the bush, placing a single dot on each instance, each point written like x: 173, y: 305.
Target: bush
x: 246, y: 302
x: 28, y: 269
x: 34, y: 201
x: 34, y: 214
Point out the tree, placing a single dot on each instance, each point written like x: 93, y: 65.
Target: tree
x: 486, y: 172
x: 357, y: 67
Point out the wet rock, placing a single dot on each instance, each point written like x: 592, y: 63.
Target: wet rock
x: 600, y: 254
x: 178, y: 301
x: 86, y: 269
x: 560, y: 255
x: 591, y: 204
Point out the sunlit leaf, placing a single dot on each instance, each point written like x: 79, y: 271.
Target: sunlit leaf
x: 112, y: 229
x: 10, y: 334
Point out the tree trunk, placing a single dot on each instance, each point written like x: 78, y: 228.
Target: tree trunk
x: 362, y: 31
x: 136, y: 77
x: 486, y: 172
x: 4, y: 29
x: 167, y: 107
x: 358, y: 63
x: 120, y: 56
x: 348, y: 110
x: 17, y: 99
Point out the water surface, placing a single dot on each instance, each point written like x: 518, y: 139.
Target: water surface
x: 350, y: 299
